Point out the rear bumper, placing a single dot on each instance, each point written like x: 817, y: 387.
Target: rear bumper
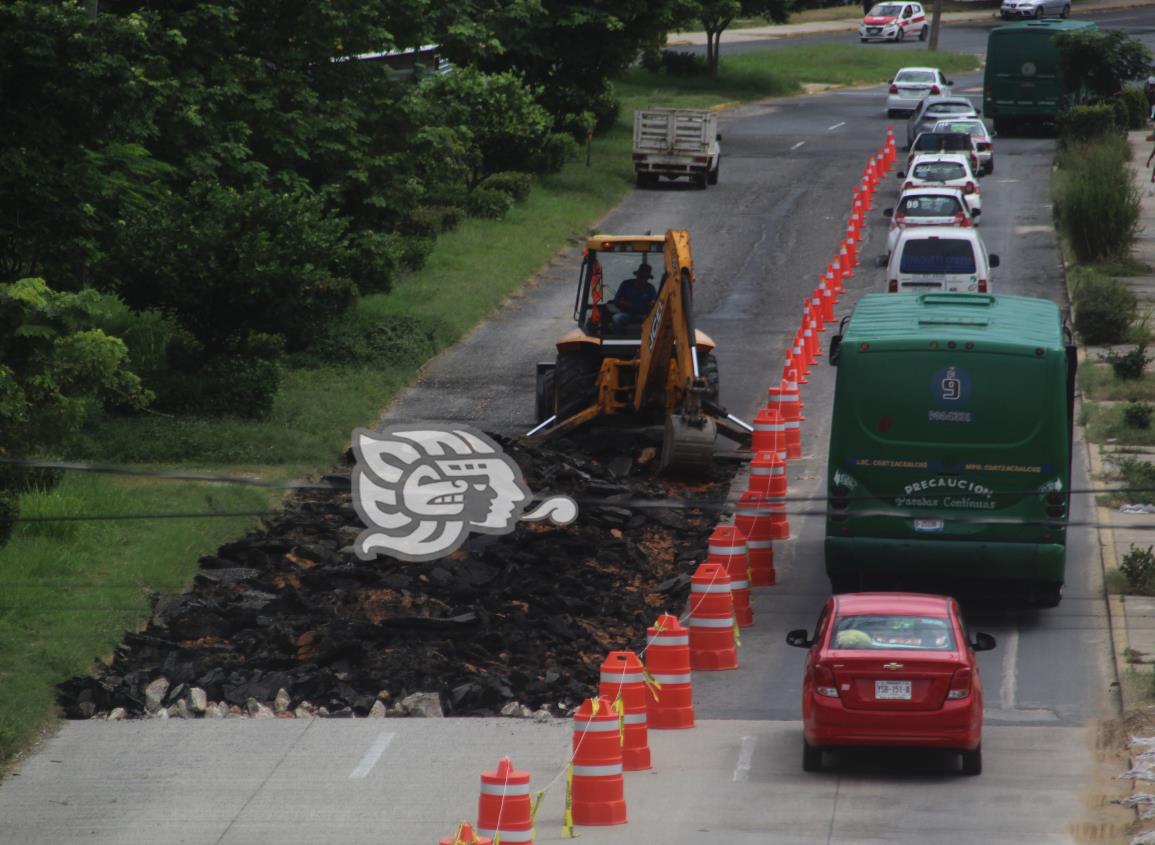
x: 1027, y: 563
x: 957, y: 726
x: 671, y: 166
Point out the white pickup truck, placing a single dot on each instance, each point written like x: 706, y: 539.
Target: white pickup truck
x: 676, y: 142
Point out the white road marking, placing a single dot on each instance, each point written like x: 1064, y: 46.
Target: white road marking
x: 1010, y: 648
x: 1007, y: 181
x: 799, y: 144
x: 835, y: 126
x: 372, y: 755
x: 745, y: 756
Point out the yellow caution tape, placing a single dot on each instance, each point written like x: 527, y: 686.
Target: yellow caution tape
x: 620, y: 709
x: 567, y: 831
x: 652, y: 683
x: 459, y: 836
x: 594, y: 703
x: 533, y: 813
x: 737, y: 637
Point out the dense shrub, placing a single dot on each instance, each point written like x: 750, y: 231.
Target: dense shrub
x: 516, y: 184
x: 556, y: 151
x: 391, y: 341
x: 412, y: 251
x: 1096, y: 202
x: 1082, y: 124
x: 489, y: 203
x: 1137, y: 108
x: 676, y: 63
x: 1129, y: 365
x: 1121, y: 112
x: 1138, y: 566
x: 1104, y: 307
x: 1138, y: 414
x: 431, y: 220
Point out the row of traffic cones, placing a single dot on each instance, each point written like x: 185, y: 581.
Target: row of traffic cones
x: 611, y: 730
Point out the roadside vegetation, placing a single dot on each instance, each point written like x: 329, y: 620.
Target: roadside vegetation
x: 242, y: 305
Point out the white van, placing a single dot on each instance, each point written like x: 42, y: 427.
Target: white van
x: 940, y: 258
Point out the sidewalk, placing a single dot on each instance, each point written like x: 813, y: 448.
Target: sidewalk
x: 854, y: 18
x: 1132, y: 617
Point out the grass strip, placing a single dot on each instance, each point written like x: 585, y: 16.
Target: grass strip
x: 71, y: 589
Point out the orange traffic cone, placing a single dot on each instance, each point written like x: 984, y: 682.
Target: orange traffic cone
x: 752, y: 517
x: 727, y: 547
x: 597, y: 788
x: 623, y: 676
x: 814, y: 310
x: 671, y: 705
x: 465, y: 836
x: 828, y: 301
x: 712, y: 644
x: 834, y: 278
x: 844, y: 262
x: 504, y: 809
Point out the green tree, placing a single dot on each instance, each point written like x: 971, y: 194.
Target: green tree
x: 54, y: 368
x: 1096, y: 65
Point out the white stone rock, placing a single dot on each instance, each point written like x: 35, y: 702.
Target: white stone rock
x: 377, y: 711
x: 257, y: 710
x: 542, y: 715
x: 511, y: 709
x: 281, y: 702
x: 162, y: 713
x: 179, y: 710
x: 215, y: 711
x: 118, y: 714
x: 322, y: 711
x: 197, y: 701
x: 234, y: 711
x: 423, y: 705
x: 154, y: 694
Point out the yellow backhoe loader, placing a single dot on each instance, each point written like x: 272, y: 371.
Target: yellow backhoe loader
x: 637, y: 353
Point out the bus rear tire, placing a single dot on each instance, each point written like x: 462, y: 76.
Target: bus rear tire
x: 1048, y: 595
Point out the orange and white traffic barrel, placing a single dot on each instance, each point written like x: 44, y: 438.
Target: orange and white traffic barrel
x: 597, y: 789
x: 727, y: 547
x: 505, y: 809
x: 712, y: 644
x: 624, y: 677
x: 670, y: 704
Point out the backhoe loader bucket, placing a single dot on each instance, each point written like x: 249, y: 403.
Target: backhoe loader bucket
x: 688, y: 446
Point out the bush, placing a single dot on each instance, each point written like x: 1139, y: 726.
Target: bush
x: 1137, y: 108
x: 431, y: 220
x: 489, y: 203
x: 1129, y: 366
x: 1083, y: 124
x: 675, y: 63
x: 392, y: 341
x: 1096, y: 201
x: 1138, y: 414
x: 1104, y: 307
x: 1138, y: 567
x: 412, y: 251
x: 516, y: 184
x: 1138, y: 477
x: 555, y: 152
x: 1121, y: 111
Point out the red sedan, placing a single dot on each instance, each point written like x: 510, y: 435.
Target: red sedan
x: 891, y: 669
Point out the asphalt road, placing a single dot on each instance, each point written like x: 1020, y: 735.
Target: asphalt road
x: 760, y: 238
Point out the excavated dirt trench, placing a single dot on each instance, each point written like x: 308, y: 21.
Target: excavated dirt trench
x: 525, y: 617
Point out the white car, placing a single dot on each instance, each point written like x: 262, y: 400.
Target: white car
x: 910, y: 85
x: 928, y: 207
x: 940, y: 258
x: 945, y: 170
x: 984, y: 146
x: 1018, y: 9
x: 894, y: 22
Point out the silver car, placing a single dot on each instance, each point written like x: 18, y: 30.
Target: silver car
x: 1018, y: 9
x: 933, y: 109
x: 910, y: 85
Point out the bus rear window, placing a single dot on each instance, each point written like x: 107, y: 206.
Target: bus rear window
x: 938, y: 256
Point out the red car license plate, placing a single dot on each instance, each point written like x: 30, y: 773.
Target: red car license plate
x: 892, y: 690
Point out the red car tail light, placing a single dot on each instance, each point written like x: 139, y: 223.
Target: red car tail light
x: 908, y: 186
x: 935, y: 90
x: 893, y: 88
x: 892, y: 286
x: 982, y: 285
x: 899, y: 217
x: 824, y: 682
x: 969, y: 188
x: 960, y: 684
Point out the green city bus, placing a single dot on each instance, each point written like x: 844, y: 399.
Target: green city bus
x: 950, y: 444
x: 1021, y: 83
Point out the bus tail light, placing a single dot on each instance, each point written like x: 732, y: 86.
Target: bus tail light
x: 982, y: 287
x: 839, y: 501
x: 1056, y: 504
x: 892, y: 286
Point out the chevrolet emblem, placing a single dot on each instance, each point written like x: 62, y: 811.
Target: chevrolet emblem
x: 893, y: 666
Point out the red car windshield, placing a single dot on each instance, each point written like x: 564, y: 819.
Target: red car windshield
x: 888, y: 632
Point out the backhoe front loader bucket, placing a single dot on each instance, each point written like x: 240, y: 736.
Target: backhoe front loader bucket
x: 688, y: 445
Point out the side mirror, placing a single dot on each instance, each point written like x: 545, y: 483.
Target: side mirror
x: 888, y: 212
x: 719, y: 136
x: 976, y: 212
x: 835, y: 350
x: 901, y: 175
x: 994, y: 261
x: 982, y: 642
x: 799, y: 639
x: 950, y: 82
x: 882, y: 260
x: 978, y: 111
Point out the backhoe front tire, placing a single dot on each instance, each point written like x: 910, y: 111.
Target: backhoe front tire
x: 575, y: 381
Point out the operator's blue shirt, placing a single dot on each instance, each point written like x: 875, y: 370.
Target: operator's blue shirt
x: 635, y: 296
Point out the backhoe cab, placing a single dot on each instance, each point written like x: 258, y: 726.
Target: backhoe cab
x: 652, y: 364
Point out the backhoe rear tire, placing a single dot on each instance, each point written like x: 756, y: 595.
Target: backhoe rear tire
x: 576, y: 381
